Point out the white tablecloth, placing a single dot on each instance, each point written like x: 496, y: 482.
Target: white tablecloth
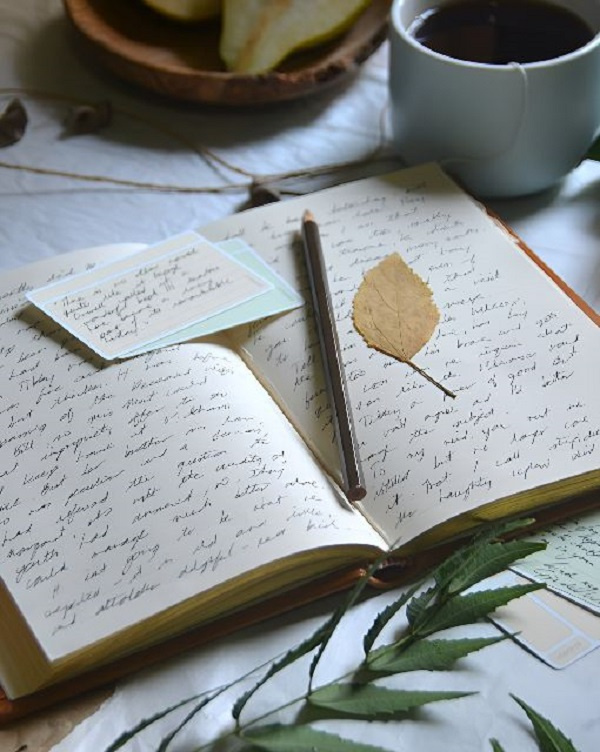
x: 151, y: 141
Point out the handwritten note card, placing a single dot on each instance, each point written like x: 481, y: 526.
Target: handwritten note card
x: 182, y: 288
x: 278, y: 298
x: 569, y: 564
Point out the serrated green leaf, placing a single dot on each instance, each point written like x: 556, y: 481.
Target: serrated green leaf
x: 549, y: 737
x: 469, y: 565
x: 127, y: 736
x: 594, y: 152
x: 278, y: 738
x: 165, y: 742
x: 496, y: 746
x: 492, y: 534
x: 384, y: 616
x: 371, y: 702
x: 484, y: 561
x: 340, y: 612
x: 426, y: 655
x: 467, y: 609
x: 319, y: 639
x: 418, y: 605
x: 311, y: 642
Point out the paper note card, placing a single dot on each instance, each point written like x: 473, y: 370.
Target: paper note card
x: 569, y: 563
x: 182, y: 288
x: 280, y: 297
x: 557, y: 631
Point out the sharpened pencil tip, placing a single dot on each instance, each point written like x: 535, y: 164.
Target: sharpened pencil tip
x: 308, y: 216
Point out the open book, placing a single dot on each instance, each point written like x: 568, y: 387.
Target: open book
x: 143, y: 498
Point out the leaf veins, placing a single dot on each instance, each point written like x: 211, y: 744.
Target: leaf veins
x: 395, y: 312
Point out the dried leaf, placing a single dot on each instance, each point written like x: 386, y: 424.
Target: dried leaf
x: 13, y: 123
x: 395, y: 312
x: 263, y: 193
x: 88, y: 118
x: 394, y: 309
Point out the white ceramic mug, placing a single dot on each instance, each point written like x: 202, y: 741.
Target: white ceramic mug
x: 501, y: 130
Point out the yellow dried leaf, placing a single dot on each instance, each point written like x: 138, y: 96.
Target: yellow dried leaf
x: 395, y: 312
x: 394, y: 309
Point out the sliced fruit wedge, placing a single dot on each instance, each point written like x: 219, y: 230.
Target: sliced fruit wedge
x: 186, y: 10
x: 258, y: 34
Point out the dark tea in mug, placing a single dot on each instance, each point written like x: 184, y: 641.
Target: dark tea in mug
x: 499, y: 32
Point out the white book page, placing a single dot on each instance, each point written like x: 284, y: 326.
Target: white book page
x: 520, y: 356
x: 127, y: 489
x: 284, y: 352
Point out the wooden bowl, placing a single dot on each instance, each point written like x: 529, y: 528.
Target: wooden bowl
x: 182, y: 61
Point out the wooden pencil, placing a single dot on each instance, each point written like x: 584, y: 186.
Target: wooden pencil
x: 354, y: 486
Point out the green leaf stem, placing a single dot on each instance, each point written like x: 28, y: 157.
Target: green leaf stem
x: 318, y: 639
x: 290, y: 657
x: 340, y: 612
x: 131, y: 733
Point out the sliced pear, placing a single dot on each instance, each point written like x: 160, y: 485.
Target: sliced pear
x: 186, y: 10
x: 259, y: 34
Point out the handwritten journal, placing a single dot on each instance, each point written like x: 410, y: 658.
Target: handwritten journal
x: 140, y: 499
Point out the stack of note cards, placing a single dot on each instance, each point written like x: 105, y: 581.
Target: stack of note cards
x: 172, y: 292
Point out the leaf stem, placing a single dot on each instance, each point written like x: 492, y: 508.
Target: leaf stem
x: 239, y: 728
x: 429, y: 378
